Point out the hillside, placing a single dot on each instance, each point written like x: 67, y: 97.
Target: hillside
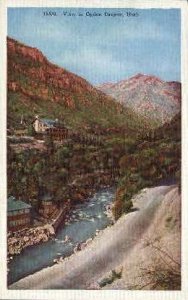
x: 144, y: 156
x: 131, y: 254
x: 131, y: 155
x: 36, y: 86
x: 147, y: 95
x: 154, y: 159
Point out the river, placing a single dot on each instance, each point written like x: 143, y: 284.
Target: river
x: 85, y: 220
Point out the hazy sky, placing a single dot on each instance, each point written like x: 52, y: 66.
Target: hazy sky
x: 103, y: 49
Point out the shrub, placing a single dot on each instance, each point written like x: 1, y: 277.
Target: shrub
x: 49, y: 144
x: 166, y: 275
x: 113, y: 276
x: 117, y: 209
x: 127, y: 206
x: 31, y: 131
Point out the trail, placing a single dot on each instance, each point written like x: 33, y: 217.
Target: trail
x: 106, y: 251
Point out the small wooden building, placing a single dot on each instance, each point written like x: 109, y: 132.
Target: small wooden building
x: 47, y: 206
x: 40, y: 124
x: 18, y: 214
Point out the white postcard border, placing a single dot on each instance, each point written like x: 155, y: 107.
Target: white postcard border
x: 105, y: 294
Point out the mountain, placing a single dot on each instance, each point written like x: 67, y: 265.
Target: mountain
x: 37, y: 86
x: 147, y: 95
x: 170, y: 130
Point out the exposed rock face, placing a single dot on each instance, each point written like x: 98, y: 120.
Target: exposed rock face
x: 35, y: 85
x: 147, y: 95
x: 17, y: 241
x: 46, y: 72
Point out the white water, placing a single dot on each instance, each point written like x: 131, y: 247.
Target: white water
x: 85, y: 220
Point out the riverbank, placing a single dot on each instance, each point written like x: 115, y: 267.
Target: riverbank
x: 74, y: 183
x: 17, y: 241
x: 127, y: 245
x: 85, y: 221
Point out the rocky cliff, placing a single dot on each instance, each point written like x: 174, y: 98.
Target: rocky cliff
x: 36, y: 86
x: 147, y: 95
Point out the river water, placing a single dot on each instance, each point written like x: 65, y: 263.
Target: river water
x: 85, y: 220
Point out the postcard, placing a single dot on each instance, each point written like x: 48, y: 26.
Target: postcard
x: 94, y: 167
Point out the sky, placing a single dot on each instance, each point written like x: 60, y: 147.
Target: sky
x: 103, y: 48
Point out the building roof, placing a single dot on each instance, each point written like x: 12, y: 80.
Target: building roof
x: 48, y: 122
x: 46, y: 197
x: 14, y: 204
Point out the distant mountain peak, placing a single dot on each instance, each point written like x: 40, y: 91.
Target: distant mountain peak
x: 137, y: 76
x: 147, y: 95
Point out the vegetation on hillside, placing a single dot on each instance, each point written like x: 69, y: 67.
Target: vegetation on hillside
x: 67, y: 171
x: 154, y: 159
x: 145, y: 157
x: 149, y: 96
x: 38, y: 87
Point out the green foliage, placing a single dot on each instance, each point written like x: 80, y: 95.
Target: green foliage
x: 128, y: 206
x: 78, y: 105
x: 37, y: 168
x: 63, y: 173
x: 146, y: 157
x: 156, y: 160
x: 118, y: 209
x: 55, y: 168
x: 62, y: 156
x: 49, y: 144
x: 31, y: 130
x: 113, y: 276
x: 130, y: 145
x: 149, y: 153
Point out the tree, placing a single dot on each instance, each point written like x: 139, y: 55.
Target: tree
x: 49, y: 144
x: 128, y: 205
x: 31, y: 131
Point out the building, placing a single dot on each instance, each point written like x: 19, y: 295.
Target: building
x: 47, y: 206
x: 58, y: 133
x: 40, y: 124
x: 19, y: 214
